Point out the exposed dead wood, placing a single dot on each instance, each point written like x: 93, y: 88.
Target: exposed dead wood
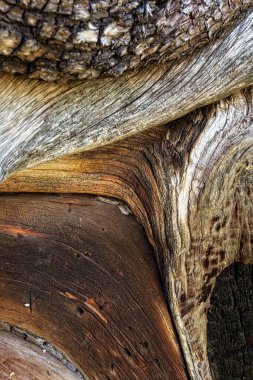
x: 21, y: 360
x: 70, y: 274
x: 85, y: 39
x: 190, y: 185
x: 40, y: 121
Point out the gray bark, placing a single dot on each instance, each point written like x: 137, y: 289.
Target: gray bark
x: 82, y: 39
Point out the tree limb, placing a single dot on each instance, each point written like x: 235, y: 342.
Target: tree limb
x: 41, y: 121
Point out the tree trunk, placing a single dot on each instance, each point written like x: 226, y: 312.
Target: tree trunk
x: 126, y: 204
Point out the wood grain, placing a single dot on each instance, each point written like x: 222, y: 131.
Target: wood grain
x: 21, y: 360
x: 42, y: 121
x: 70, y: 274
x: 190, y: 186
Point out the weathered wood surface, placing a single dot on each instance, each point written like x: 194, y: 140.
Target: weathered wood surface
x: 210, y: 208
x: 86, y: 39
x: 22, y: 360
x: 190, y: 185
x: 81, y: 274
x: 40, y: 121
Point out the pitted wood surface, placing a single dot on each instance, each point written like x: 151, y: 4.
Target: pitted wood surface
x: 82, y: 39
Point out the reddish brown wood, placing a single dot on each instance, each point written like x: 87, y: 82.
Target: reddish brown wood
x: 81, y: 274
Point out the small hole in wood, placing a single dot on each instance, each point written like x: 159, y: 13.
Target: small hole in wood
x: 144, y: 344
x: 79, y: 311
x: 128, y: 352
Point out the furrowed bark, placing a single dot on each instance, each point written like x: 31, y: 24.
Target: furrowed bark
x: 88, y: 39
x: 42, y: 121
x: 190, y: 185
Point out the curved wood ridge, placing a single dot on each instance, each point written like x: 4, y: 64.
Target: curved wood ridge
x: 82, y: 39
x: 190, y: 185
x: 41, y: 121
x: 70, y: 274
x: 20, y: 359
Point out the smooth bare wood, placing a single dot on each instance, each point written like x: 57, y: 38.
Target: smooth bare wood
x: 190, y: 185
x: 71, y: 274
x: 21, y: 360
x: 41, y: 121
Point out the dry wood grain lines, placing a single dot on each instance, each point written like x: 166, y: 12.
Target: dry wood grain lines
x: 190, y: 186
x: 20, y: 359
x: 41, y: 121
x: 70, y: 274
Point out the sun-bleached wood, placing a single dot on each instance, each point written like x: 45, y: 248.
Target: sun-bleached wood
x: 41, y: 121
x: 21, y: 360
x: 190, y: 185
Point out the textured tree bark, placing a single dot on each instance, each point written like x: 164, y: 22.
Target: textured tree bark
x: 230, y: 327
x: 190, y: 185
x: 41, y: 121
x: 77, y: 275
x: 85, y: 39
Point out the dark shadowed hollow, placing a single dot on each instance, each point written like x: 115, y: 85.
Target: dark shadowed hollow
x: 230, y: 324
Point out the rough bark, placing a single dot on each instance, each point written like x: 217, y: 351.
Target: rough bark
x: 190, y: 185
x: 41, y: 121
x: 70, y: 274
x: 82, y: 39
x: 230, y: 324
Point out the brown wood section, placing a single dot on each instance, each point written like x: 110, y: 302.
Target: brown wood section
x: 80, y: 274
x: 22, y: 360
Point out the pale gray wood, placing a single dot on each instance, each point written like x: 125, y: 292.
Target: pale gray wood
x: 40, y: 121
x: 209, y: 215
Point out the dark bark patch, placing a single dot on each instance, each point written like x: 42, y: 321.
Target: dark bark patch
x: 230, y: 324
